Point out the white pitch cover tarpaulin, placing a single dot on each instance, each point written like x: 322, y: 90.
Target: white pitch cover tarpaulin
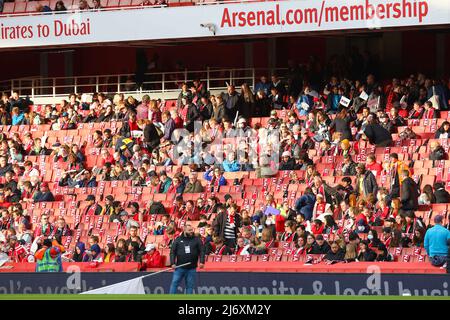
x: 133, y: 286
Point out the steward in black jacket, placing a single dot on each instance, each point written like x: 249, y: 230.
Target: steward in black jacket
x: 187, y: 248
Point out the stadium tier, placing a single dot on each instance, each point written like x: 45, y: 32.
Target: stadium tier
x: 301, y: 180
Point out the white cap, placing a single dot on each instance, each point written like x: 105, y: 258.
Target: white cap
x: 150, y: 247
x: 286, y: 154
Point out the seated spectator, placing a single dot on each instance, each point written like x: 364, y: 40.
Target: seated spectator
x: 216, y: 179
x: 348, y: 166
x: 59, y: 6
x: 44, y: 194
x: 437, y: 151
x: 152, y: 257
x: 429, y: 111
x: 441, y: 195
x: 287, y: 162
x: 78, y: 254
x: 335, y: 254
x: 417, y: 111
x: 444, y: 131
x: 230, y: 164
x: 427, y: 196
x: 365, y: 253
x: 194, y: 185
x: 382, y: 253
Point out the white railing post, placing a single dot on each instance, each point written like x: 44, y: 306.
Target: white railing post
x: 12, y: 87
x: 118, y: 83
x: 54, y: 87
x: 96, y: 84
x: 32, y: 89
x: 75, y: 85
x: 253, y: 78
x: 185, y: 75
x: 231, y: 77
x: 163, y: 82
x: 207, y: 78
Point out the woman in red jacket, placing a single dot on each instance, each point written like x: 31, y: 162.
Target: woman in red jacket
x: 152, y: 258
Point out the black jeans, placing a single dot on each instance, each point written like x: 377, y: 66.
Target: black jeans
x: 230, y: 243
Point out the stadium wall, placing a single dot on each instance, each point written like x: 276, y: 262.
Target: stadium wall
x: 237, y: 283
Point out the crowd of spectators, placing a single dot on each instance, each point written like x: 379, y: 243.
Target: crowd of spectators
x: 317, y: 118
x: 83, y: 5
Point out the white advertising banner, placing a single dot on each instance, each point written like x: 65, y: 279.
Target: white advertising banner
x: 218, y: 20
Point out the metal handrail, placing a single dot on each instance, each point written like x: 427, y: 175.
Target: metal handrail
x: 157, y: 82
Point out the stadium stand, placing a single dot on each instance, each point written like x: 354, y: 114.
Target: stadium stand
x: 290, y: 174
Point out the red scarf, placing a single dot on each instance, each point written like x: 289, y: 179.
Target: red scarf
x: 91, y: 210
x: 231, y: 218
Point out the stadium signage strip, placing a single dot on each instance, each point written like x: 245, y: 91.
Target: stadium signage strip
x: 218, y: 20
x: 237, y: 283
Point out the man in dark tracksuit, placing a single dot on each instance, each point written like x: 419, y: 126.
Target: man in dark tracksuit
x: 187, y: 248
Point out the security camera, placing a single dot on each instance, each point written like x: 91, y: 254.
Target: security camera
x: 210, y: 26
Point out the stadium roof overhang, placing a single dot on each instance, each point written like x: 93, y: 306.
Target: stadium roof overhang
x: 146, y: 27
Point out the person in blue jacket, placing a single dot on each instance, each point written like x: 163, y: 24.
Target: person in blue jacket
x: 216, y: 178
x: 436, y: 242
x: 230, y: 164
x: 165, y: 182
x: 305, y: 204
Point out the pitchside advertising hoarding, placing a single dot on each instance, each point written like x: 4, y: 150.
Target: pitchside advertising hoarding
x: 218, y: 20
x: 210, y: 283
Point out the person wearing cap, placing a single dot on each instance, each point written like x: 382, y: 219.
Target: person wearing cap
x: 152, y: 258
x: 94, y: 251
x: 436, y: 242
x: 17, y: 252
x: 48, y: 258
x: 287, y: 162
x: 386, y: 123
x: 366, y: 182
x: 44, y: 194
x: 65, y: 123
x: 92, y: 208
x: 130, y: 173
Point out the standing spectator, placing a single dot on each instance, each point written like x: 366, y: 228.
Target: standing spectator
x: 226, y: 225
x: 366, y: 182
x: 409, y: 195
x: 232, y: 102
x: 186, y: 249
x: 436, y: 242
x: 305, y: 204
